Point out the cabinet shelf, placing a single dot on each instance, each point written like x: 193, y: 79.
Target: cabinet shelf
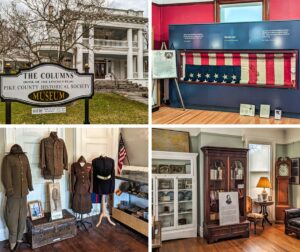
x: 134, y: 176
x: 165, y: 202
x: 136, y: 195
x: 165, y: 190
x: 186, y: 212
x: 165, y: 214
x: 184, y: 201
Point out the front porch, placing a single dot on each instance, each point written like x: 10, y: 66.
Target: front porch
x: 114, y: 67
x: 114, y: 52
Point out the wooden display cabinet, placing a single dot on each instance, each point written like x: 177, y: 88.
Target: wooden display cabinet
x: 225, y: 170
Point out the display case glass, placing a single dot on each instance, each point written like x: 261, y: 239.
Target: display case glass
x: 131, y: 200
x: 174, y: 193
x: 166, y: 166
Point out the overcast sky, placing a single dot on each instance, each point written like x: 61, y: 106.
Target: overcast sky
x: 130, y: 4
x: 120, y: 4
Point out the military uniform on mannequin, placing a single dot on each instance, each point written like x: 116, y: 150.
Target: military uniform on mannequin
x: 81, y: 186
x: 53, y: 157
x: 16, y: 178
x: 104, y: 182
x: 104, y: 175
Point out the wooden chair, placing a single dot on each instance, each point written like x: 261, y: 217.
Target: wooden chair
x: 253, y: 217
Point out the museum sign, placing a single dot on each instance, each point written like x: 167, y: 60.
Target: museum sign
x: 47, y: 85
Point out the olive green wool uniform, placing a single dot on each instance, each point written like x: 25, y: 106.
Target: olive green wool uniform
x: 17, y: 181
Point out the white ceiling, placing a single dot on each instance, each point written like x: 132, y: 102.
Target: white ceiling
x: 179, y: 1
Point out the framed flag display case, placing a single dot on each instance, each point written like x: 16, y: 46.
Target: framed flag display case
x: 270, y: 69
x: 221, y: 66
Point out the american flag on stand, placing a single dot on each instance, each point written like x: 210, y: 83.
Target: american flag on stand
x: 261, y: 69
x: 122, y: 155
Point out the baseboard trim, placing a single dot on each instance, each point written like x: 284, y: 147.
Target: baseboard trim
x: 200, y: 228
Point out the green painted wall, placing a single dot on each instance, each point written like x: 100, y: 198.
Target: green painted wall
x: 280, y: 150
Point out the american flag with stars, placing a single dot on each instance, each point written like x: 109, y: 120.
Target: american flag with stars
x: 264, y: 69
x: 122, y: 155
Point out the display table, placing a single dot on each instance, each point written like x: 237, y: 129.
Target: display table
x: 263, y: 208
x: 156, y: 241
x: 42, y: 232
x: 125, y: 208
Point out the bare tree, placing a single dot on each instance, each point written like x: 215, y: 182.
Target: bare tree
x: 8, y: 38
x: 53, y: 23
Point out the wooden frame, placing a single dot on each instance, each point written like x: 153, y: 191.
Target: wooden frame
x: 170, y: 140
x: 265, y: 3
x: 35, y: 213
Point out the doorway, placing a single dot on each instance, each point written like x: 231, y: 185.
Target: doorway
x: 100, y: 70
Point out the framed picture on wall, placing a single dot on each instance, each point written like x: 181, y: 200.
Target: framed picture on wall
x: 35, y: 210
x: 170, y: 140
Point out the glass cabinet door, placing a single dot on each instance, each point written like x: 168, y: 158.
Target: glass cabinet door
x: 167, y: 166
x: 237, y: 181
x: 165, y: 202
x: 217, y: 184
x: 185, y: 202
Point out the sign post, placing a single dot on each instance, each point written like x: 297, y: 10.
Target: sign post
x: 87, y: 102
x: 7, y: 69
x: 46, y: 85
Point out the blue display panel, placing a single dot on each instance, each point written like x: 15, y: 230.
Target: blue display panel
x: 276, y: 35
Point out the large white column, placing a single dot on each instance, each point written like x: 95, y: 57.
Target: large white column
x: 91, y: 51
x: 135, y: 67
x: 79, y: 56
x: 140, y: 65
x: 129, y: 55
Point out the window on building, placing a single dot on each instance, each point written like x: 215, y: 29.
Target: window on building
x: 241, y: 10
x: 260, y: 163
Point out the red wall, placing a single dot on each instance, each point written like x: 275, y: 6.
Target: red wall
x: 284, y: 9
x: 156, y: 19
x: 164, y: 15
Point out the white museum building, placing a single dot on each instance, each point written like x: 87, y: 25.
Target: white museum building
x: 115, y: 48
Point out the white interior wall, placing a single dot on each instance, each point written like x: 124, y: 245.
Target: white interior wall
x: 29, y: 139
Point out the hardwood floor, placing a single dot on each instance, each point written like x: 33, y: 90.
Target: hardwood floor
x: 271, y: 239
x: 168, y: 115
x: 102, y: 239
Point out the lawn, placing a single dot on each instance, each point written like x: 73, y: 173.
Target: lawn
x: 105, y: 108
